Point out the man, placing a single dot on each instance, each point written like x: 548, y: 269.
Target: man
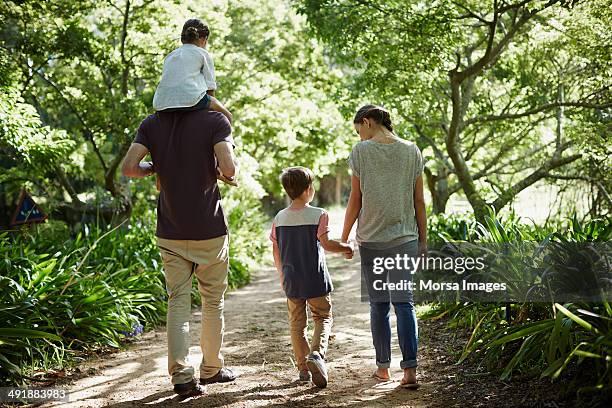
x: 191, y: 231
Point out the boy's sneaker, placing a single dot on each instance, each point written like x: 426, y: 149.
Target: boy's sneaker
x: 316, y: 365
x: 305, y: 376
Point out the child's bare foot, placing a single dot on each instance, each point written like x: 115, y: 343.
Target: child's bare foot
x: 382, y: 374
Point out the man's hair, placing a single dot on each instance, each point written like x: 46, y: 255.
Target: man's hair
x: 296, y: 180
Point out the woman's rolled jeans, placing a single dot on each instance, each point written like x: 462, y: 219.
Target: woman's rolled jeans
x: 381, y: 300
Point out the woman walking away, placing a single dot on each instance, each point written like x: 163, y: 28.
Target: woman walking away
x: 387, y: 199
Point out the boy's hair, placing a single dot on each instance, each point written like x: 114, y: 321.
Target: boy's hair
x: 193, y: 29
x: 296, y: 180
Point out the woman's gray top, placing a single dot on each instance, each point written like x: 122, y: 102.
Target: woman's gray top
x: 387, y: 176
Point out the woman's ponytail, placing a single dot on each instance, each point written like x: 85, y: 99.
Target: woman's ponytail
x: 386, y: 119
x: 376, y: 113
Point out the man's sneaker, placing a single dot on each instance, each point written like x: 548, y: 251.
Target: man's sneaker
x: 316, y: 365
x: 305, y: 376
x: 224, y: 375
x: 189, y: 389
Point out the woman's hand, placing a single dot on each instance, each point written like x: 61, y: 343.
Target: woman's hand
x: 422, y: 248
x: 350, y: 245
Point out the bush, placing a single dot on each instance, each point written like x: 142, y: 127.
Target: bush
x: 549, y: 338
x: 62, y: 291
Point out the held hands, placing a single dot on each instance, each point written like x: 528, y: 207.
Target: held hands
x: 349, y: 249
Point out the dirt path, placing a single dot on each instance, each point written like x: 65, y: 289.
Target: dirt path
x: 257, y: 347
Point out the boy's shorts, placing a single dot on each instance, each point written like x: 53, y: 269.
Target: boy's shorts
x: 202, y: 104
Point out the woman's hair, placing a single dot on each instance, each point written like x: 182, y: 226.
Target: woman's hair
x: 376, y: 113
x: 193, y: 29
x: 296, y: 180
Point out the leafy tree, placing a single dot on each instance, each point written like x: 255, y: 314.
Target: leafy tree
x: 90, y: 69
x: 492, y: 88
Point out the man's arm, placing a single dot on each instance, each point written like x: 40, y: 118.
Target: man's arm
x: 225, y: 157
x: 132, y: 167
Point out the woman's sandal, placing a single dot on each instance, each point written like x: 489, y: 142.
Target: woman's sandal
x: 410, y: 386
x: 379, y: 378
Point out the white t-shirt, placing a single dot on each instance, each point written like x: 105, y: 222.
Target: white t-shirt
x: 188, y: 73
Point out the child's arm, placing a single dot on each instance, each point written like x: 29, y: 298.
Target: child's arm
x: 277, y: 261
x: 332, y: 245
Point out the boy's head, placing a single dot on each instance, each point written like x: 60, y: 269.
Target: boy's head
x: 297, y: 182
x: 195, y: 32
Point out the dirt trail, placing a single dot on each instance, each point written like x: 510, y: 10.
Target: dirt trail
x: 257, y: 347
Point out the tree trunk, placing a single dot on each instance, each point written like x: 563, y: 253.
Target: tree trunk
x: 454, y: 149
x: 338, y: 192
x: 437, y: 184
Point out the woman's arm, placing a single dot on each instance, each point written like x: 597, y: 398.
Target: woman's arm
x: 421, y: 215
x: 352, y: 209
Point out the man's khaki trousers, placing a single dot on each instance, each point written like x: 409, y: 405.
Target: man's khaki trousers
x: 208, y: 259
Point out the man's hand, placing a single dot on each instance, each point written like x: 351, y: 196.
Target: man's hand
x: 132, y: 167
x: 227, y: 180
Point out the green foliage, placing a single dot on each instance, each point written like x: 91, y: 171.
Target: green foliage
x: 568, y: 339
x: 38, y: 149
x: 60, y: 294
x: 403, y: 54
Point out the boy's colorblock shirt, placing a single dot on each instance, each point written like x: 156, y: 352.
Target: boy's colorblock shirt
x: 297, y: 232
x: 188, y: 73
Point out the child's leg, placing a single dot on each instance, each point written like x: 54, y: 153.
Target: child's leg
x: 321, y: 309
x: 297, y: 322
x: 216, y: 105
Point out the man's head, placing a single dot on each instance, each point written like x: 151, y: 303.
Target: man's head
x: 297, y: 182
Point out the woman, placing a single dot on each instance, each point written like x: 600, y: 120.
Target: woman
x: 387, y: 198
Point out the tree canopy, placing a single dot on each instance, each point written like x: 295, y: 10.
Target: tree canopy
x: 501, y: 94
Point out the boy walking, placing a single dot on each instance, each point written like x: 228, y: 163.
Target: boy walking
x: 299, y: 237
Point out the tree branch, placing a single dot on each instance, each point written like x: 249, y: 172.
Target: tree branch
x: 552, y: 105
x: 87, y: 133
x: 437, y: 152
x: 470, y: 13
x: 535, y: 176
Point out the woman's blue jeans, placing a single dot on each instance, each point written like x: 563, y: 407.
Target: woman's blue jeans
x: 380, y: 307
x: 407, y: 332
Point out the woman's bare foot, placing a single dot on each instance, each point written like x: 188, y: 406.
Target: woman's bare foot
x: 382, y: 374
x: 410, y: 378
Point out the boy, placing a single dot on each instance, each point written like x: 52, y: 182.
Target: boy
x: 299, y: 236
